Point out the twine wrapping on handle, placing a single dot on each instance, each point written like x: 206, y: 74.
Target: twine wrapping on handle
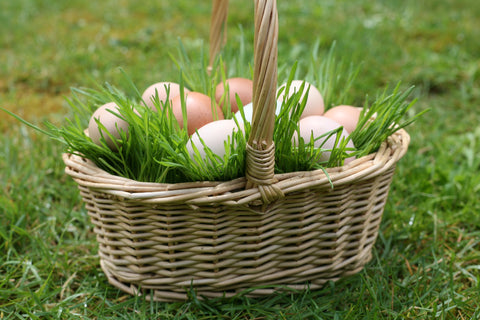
x: 261, y: 148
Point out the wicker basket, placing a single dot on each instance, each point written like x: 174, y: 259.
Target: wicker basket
x: 262, y: 232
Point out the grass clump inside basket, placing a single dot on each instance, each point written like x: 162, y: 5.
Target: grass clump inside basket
x: 155, y: 148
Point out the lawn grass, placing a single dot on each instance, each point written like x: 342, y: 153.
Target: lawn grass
x: 426, y: 262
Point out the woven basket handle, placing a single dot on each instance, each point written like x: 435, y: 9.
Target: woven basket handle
x: 260, y: 160
x: 218, y: 29
x: 260, y: 157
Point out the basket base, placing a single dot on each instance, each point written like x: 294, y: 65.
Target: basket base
x: 183, y: 294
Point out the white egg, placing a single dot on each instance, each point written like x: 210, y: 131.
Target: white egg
x: 162, y: 90
x: 214, y: 134
x: 248, y: 111
x: 113, y: 124
x: 314, y: 104
x: 316, y: 126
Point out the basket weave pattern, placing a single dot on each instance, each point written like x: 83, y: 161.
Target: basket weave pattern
x: 262, y: 231
x: 168, y: 237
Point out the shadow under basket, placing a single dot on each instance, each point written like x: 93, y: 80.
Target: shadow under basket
x: 218, y: 238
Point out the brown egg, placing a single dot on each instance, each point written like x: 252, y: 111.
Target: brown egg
x: 345, y: 115
x: 160, y: 88
x: 199, y: 111
x: 236, y: 86
x: 113, y: 124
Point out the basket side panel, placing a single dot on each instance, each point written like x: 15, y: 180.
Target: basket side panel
x: 309, y: 237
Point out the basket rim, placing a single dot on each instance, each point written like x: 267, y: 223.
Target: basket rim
x: 87, y: 174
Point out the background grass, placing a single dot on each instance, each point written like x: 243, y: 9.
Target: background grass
x: 427, y: 258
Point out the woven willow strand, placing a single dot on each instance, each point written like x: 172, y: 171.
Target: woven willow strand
x: 260, y: 148
x: 218, y: 29
x: 265, y: 74
x: 227, y: 193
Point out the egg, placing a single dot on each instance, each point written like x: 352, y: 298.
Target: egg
x: 317, y: 126
x: 214, y: 134
x: 199, y: 111
x: 113, y: 124
x: 236, y: 86
x: 345, y: 115
x: 314, y: 105
x: 248, y: 112
x: 161, y: 89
